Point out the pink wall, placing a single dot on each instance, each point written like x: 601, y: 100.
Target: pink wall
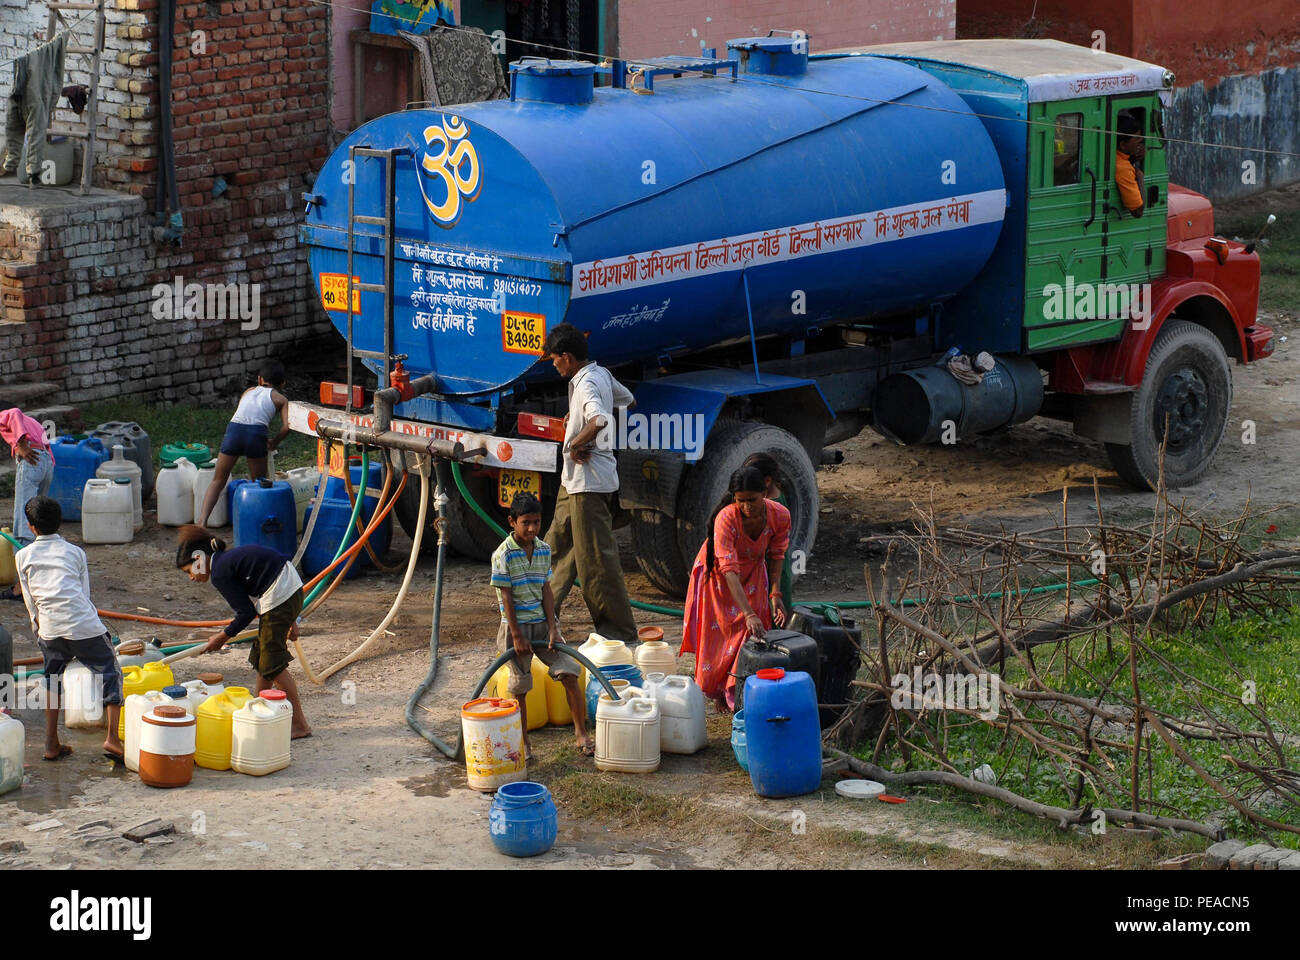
x: 663, y: 27
x: 380, y: 66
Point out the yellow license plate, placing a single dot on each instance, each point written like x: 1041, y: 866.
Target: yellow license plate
x: 510, y: 482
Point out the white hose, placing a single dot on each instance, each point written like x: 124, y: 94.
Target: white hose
x: 316, y: 502
x: 401, y: 593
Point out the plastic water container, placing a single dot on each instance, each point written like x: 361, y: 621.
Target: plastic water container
x: 201, y: 688
x: 557, y: 701
x: 303, y: 481
x: 175, y: 496
x: 8, y: 566
x: 603, y: 653
x: 523, y: 821
x: 83, y: 699
x: 336, y: 512
x: 627, y: 735
x: 12, y: 744
x: 119, y: 466
x: 136, y: 443
x: 136, y: 653
x: 788, y: 649
x: 220, y: 515
x: 494, y: 743
x: 739, y: 746
x: 655, y: 656
x: 214, y: 727
x: 617, y: 671
x: 107, y: 511
x: 167, y: 742
x: 262, y: 512
x: 534, y: 701
x: 193, y: 452
x: 260, y: 735
x: 136, y: 706
x: 75, y: 461
x: 783, y: 733
x: 682, y: 727
x: 141, y: 679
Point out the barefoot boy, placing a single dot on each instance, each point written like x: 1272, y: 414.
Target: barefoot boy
x: 56, y: 588
x: 521, y: 574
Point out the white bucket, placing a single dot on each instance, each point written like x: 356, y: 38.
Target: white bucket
x: 136, y: 706
x: 83, y: 699
x: 175, y: 492
x: 682, y: 725
x: 119, y: 466
x: 107, y: 512
x: 494, y: 743
x: 12, y: 743
x: 303, y: 481
x: 202, y: 481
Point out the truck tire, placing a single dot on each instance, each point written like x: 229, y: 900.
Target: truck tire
x: 729, y: 445
x: 467, y: 534
x: 654, y: 538
x: 1187, y: 380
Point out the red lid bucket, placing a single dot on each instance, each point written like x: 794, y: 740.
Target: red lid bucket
x: 771, y: 673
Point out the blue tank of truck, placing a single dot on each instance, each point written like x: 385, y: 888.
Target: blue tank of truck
x: 805, y: 193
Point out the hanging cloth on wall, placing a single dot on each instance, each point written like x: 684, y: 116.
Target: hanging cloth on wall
x: 38, y: 84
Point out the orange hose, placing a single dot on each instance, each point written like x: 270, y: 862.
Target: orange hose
x: 350, y: 555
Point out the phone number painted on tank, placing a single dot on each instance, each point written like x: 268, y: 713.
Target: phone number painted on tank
x: 513, y: 285
x: 788, y: 243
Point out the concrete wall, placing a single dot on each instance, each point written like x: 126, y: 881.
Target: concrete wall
x: 1260, y: 110
x: 651, y: 29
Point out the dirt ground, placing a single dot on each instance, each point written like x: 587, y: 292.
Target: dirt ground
x: 366, y: 792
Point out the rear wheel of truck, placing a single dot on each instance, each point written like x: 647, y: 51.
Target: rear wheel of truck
x: 467, y: 534
x: 1183, y: 401
x: 729, y: 445
x: 654, y: 538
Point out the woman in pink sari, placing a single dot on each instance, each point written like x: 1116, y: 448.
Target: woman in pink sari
x: 734, y: 591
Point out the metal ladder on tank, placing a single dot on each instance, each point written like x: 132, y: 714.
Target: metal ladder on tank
x: 389, y: 156
x: 91, y: 51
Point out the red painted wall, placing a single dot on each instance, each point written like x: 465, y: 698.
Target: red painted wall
x: 664, y: 27
x: 1199, y: 40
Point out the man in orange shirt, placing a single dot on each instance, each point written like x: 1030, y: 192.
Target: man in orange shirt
x: 1130, y: 150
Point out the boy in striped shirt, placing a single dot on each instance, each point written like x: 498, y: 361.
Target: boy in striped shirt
x: 521, y: 574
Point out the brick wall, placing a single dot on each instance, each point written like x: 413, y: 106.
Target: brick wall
x: 684, y: 26
x: 250, y: 105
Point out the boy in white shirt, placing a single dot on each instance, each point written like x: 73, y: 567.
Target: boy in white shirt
x: 55, y: 581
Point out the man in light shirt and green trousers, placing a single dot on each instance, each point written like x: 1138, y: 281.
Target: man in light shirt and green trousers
x: 581, y: 534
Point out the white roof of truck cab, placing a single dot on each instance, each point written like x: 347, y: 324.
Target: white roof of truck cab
x: 1050, y: 69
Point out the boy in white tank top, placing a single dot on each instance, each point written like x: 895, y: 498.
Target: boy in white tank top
x: 246, y: 434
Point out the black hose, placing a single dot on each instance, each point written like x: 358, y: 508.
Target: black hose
x: 412, y: 720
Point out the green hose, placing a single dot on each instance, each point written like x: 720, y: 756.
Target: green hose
x: 841, y: 604
x: 503, y: 533
x: 17, y: 544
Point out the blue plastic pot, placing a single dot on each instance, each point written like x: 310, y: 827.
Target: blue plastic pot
x: 523, y: 821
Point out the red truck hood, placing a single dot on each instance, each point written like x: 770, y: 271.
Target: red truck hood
x: 1191, y: 215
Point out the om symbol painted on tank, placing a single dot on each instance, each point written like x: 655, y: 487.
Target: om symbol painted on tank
x: 449, y: 170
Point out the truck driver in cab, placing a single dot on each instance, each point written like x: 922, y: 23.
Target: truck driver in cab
x: 1130, y: 149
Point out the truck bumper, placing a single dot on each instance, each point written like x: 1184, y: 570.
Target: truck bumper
x: 1259, y: 342
x: 510, y: 452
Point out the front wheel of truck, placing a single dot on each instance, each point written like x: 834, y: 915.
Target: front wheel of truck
x: 1183, y: 403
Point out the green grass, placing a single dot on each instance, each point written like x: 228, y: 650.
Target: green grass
x: 1262, y: 649
x: 204, y: 425
x: 1280, y: 254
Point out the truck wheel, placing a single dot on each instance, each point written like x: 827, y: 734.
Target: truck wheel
x: 654, y: 537
x: 729, y: 445
x: 1187, y: 384
x: 467, y: 534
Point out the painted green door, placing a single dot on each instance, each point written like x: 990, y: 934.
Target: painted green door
x: 1065, y: 225
x: 1135, y: 246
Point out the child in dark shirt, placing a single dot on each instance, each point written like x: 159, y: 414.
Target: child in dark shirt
x: 257, y: 583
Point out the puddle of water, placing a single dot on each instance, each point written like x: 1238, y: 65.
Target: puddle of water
x: 51, y: 786
x: 438, y: 784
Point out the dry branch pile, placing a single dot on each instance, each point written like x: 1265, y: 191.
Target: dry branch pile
x: 1070, y: 665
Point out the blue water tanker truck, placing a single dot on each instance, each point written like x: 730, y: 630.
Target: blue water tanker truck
x: 774, y: 250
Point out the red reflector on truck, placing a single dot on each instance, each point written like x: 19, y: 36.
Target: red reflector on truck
x: 541, y: 426
x: 336, y: 395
